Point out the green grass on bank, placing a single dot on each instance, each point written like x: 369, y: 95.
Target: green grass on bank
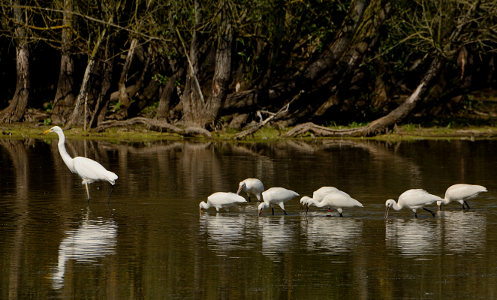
x: 140, y: 133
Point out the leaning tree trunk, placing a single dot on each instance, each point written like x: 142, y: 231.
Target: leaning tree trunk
x: 17, y: 107
x: 380, y: 125
x: 76, y: 117
x: 64, y: 96
x: 123, y: 95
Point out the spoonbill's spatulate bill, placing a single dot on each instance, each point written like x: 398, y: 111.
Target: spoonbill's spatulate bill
x: 412, y: 199
x: 88, y: 169
x: 276, y: 196
x: 251, y: 186
x: 460, y: 193
x: 221, y: 200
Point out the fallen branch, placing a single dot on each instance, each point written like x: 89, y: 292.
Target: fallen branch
x: 253, y: 129
x: 379, y: 125
x: 155, y: 125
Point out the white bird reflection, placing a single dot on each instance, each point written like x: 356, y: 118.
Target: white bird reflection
x: 277, y: 237
x: 224, y: 232
x: 93, y: 239
x: 333, y: 235
x: 412, y: 237
x: 463, y: 231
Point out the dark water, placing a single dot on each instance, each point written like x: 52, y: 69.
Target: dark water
x: 152, y: 243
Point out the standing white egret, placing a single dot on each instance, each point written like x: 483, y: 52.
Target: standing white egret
x: 337, y: 199
x: 276, y: 195
x: 461, y: 192
x: 412, y: 199
x: 251, y: 186
x: 88, y: 169
x: 221, y: 200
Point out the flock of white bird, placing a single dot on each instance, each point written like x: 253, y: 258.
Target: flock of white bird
x: 331, y: 197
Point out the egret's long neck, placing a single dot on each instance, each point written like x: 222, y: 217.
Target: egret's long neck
x: 63, y: 152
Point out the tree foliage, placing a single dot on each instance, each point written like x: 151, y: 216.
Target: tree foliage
x: 210, y: 64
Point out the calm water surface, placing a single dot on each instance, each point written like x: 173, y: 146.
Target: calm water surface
x: 152, y: 243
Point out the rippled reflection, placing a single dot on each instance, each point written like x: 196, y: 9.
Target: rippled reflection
x: 412, y: 237
x: 277, y: 236
x: 92, y: 240
x: 225, y: 232
x: 332, y: 234
x: 463, y: 231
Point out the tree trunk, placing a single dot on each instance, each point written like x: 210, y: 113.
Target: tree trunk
x: 17, y: 107
x: 380, y: 125
x: 222, y: 71
x: 192, y: 99
x: 64, y: 96
x: 103, y: 99
x: 123, y: 95
x: 76, y: 117
x: 167, y: 94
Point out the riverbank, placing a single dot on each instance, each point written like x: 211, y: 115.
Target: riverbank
x: 140, y: 133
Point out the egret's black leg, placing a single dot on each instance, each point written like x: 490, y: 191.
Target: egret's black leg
x: 432, y: 213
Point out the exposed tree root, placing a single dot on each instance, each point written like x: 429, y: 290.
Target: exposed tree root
x: 155, y: 125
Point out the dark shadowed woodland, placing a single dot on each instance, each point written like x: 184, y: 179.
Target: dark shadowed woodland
x: 193, y: 67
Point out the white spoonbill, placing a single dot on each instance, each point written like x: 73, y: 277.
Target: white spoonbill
x: 412, y: 199
x: 276, y: 195
x: 221, y: 200
x: 88, y: 169
x: 251, y: 186
x: 337, y: 199
x: 461, y: 192
x: 319, y: 195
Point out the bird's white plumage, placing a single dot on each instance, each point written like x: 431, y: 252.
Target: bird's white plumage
x: 461, y: 192
x: 320, y: 193
x: 251, y: 186
x: 336, y: 199
x: 276, y: 195
x: 222, y: 200
x: 88, y: 169
x: 412, y: 199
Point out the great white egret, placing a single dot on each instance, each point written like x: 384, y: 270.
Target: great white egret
x: 337, y: 199
x: 221, y: 200
x: 461, y: 192
x: 88, y: 169
x: 276, y: 195
x: 251, y: 186
x: 412, y: 199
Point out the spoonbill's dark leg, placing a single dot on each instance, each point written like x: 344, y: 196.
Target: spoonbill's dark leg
x: 432, y: 213
x: 285, y: 212
x: 341, y: 215
x: 272, y: 211
x: 415, y: 215
x: 88, y: 193
x: 248, y: 196
x: 467, y: 205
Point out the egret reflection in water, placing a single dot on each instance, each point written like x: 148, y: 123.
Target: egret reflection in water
x: 93, y: 239
x: 331, y: 234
